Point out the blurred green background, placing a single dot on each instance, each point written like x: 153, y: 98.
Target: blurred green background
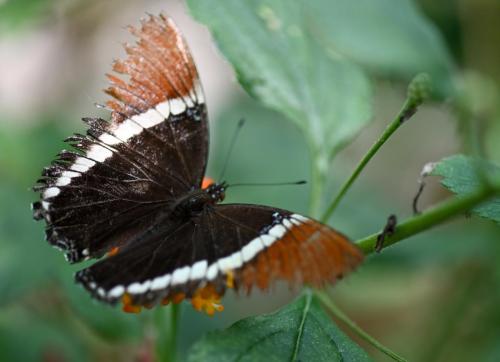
x: 434, y: 297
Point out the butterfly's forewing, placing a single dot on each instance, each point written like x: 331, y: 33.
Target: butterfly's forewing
x: 250, y: 245
x: 123, y: 172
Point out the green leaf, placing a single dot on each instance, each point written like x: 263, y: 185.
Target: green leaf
x: 390, y: 37
x: 301, y: 331
x: 279, y: 61
x: 460, y: 175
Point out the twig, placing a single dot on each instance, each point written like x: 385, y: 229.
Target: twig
x: 417, y: 91
x: 434, y: 216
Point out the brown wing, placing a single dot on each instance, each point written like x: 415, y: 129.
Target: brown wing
x: 235, y: 246
x: 122, y: 172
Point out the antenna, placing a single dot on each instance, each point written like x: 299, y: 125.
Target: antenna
x: 231, y: 146
x: 301, y: 182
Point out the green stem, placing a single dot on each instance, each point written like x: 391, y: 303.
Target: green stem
x: 418, y: 91
x: 326, y: 300
x: 405, y: 113
x: 432, y: 217
x: 166, y: 332
x: 173, y: 330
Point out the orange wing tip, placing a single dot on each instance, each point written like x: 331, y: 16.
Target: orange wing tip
x: 207, y: 181
x: 207, y: 300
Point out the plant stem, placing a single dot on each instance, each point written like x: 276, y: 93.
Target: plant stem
x: 174, y: 321
x: 166, y: 330
x: 326, y: 300
x: 432, y: 217
x: 418, y: 91
x: 403, y: 114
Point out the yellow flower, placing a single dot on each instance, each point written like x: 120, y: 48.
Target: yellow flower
x: 207, y: 300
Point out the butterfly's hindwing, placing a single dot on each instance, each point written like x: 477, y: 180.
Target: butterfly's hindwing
x: 253, y: 245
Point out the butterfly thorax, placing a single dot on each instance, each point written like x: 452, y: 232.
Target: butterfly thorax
x: 197, y: 200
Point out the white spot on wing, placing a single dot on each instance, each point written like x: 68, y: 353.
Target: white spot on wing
x: 199, y: 92
x: 79, y: 168
x: 251, y: 249
x: 63, y: 181
x: 138, y: 288
x: 236, y: 259
x: 127, y: 129
x: 286, y: 223
x: 225, y: 263
x: 160, y: 282
x: 116, y: 291
x: 85, y: 161
x: 108, y: 139
x: 150, y: 118
x: 177, y: 106
x: 212, y: 271
x: 70, y: 174
x: 299, y: 217
x: 277, y: 231
x: 164, y: 109
x: 188, y: 101
x: 99, y: 153
x: 198, y: 270
x: 51, y: 192
x: 180, y: 275
x: 268, y: 240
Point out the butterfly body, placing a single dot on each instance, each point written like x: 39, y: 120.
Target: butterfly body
x: 131, y: 195
x: 197, y: 201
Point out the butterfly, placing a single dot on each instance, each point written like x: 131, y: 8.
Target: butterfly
x: 130, y: 194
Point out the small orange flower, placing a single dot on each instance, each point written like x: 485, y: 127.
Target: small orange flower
x: 128, y: 306
x: 230, y: 279
x: 207, y: 300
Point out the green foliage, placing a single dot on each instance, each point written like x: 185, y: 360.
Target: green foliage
x: 300, y: 331
x: 310, y: 61
x: 391, y: 38
x: 463, y: 175
x: 284, y: 56
x: 279, y: 61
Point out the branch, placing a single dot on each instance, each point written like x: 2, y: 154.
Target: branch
x: 417, y: 91
x: 445, y: 211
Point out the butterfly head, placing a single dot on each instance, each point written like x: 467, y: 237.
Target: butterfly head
x: 217, y: 192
